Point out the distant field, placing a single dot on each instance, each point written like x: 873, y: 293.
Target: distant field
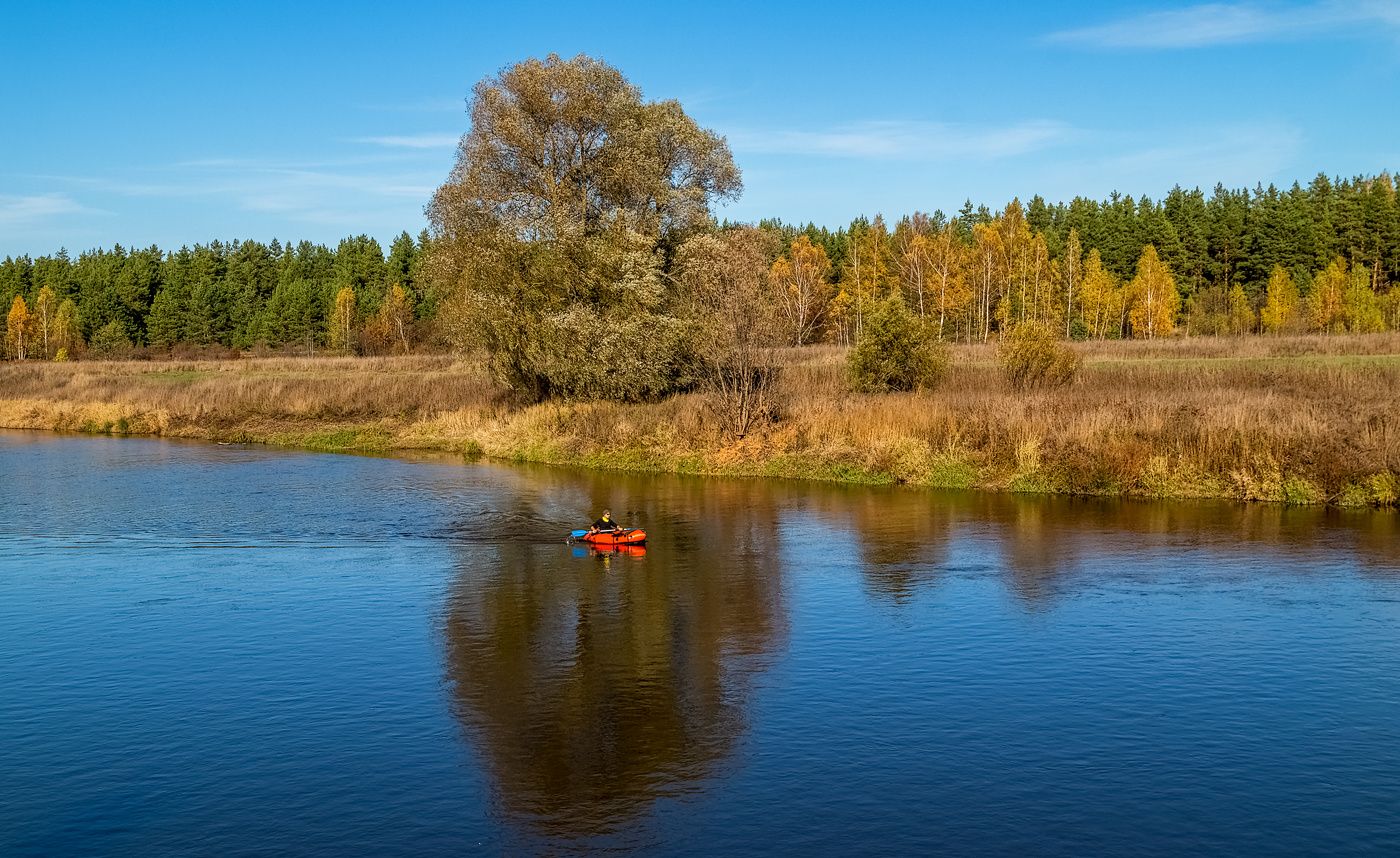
x: 1307, y: 419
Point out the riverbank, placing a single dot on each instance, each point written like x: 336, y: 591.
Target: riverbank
x: 1297, y: 419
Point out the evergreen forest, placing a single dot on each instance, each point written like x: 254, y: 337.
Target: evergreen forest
x: 1320, y: 257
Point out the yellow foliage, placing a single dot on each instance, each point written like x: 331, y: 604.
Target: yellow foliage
x: 1155, y: 301
x: 1241, y: 314
x: 1100, y: 297
x: 804, y: 293
x: 988, y: 277
x: 1325, y: 302
x: 343, y: 321
x: 19, y: 330
x: 1360, y: 307
x: 948, y: 259
x: 1281, y: 304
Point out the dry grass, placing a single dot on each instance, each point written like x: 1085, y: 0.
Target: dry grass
x: 1297, y: 419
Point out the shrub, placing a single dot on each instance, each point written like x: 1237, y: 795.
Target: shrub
x: 1031, y: 356
x: 897, y: 352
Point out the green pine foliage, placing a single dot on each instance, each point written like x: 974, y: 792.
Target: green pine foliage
x: 233, y: 295
x: 1221, y: 246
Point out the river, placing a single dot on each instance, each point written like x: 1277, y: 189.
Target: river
x: 228, y: 650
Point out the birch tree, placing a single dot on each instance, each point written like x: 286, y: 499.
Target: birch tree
x: 1155, y: 300
x: 1281, y: 302
x: 800, y: 280
x: 948, y: 260
x: 19, y: 329
x: 45, y: 311
x: 343, y: 321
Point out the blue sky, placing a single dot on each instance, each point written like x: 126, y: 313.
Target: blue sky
x: 180, y: 123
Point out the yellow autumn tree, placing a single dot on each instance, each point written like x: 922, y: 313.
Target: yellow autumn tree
x: 343, y: 321
x: 1280, y: 303
x: 397, y: 315
x: 1019, y: 246
x: 19, y: 330
x: 67, y: 338
x: 1325, y: 312
x: 948, y: 264
x: 1072, y: 262
x: 1039, y: 295
x: 867, y: 273
x: 1155, y: 301
x: 803, y: 289
x: 45, y: 315
x: 1360, y: 309
x: 1241, y: 314
x: 912, y: 259
x: 1099, y: 296
x: 988, y: 277
x: 1390, y: 308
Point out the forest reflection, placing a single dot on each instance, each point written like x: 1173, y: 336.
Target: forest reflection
x: 1045, y: 547
x: 593, y: 686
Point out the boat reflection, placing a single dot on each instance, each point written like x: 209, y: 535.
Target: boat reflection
x: 603, y: 552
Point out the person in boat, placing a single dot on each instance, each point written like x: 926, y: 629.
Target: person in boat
x: 605, y: 524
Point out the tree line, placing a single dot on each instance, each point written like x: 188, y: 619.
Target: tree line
x: 574, y: 243
x: 1324, y: 258
x: 300, y: 298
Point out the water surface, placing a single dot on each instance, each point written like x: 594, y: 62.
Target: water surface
x: 243, y: 651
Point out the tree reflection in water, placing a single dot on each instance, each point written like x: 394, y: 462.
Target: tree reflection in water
x: 593, y: 686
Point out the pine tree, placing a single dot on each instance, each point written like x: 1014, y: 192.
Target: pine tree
x: 1186, y: 211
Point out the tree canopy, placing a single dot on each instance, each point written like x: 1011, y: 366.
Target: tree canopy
x: 557, y: 226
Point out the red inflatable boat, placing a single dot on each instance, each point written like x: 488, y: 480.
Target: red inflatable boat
x: 616, y: 537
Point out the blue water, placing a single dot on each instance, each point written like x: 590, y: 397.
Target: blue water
x: 211, y: 650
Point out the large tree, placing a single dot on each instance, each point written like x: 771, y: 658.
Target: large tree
x: 559, y: 221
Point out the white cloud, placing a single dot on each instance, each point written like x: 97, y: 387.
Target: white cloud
x: 24, y: 211
x: 336, y: 195
x: 416, y: 141
x: 906, y: 141
x: 1238, y: 23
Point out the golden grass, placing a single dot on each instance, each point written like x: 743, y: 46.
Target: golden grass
x: 1297, y: 419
